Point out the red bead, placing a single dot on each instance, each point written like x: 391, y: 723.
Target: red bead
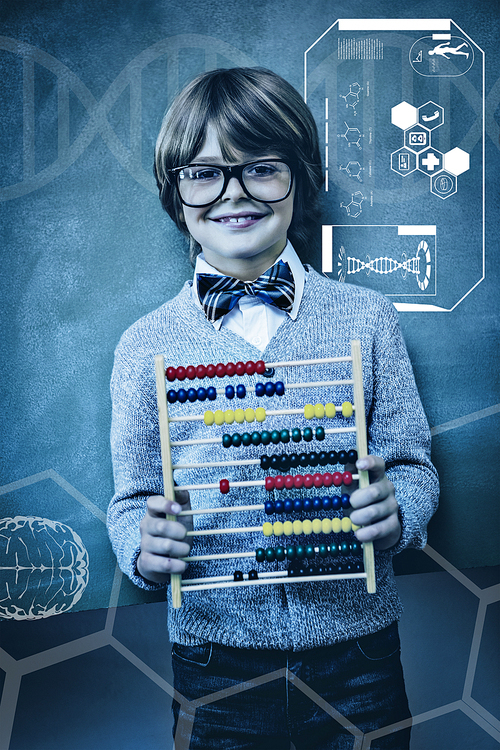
x: 327, y: 479
x: 260, y: 367
x: 289, y: 482
x: 190, y: 372
x: 211, y: 371
x: 224, y: 486
x: 181, y: 373
x: 279, y: 482
x: 220, y: 370
x: 318, y: 480
x: 201, y: 372
x: 269, y: 483
x: 298, y: 481
x: 308, y: 481
x: 337, y: 478
x: 347, y: 478
x: 250, y: 367
x: 240, y: 368
x: 230, y: 369
x: 171, y: 374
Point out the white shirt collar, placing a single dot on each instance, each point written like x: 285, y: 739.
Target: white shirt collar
x: 287, y: 256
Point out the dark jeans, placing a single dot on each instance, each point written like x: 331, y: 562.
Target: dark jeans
x: 319, y: 699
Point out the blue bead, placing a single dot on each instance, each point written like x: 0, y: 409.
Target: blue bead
x: 317, y: 504
x: 288, y: 505
x: 345, y: 501
x: 241, y: 391
x: 294, y: 460
x: 313, y: 459
x: 275, y: 462
x: 284, y: 462
x: 202, y: 394
x: 182, y: 395
x: 279, y: 388
x: 297, y: 505
x: 211, y: 393
x: 192, y: 395
x: 260, y: 389
x: 279, y: 506
x: 307, y: 504
x: 229, y: 391
x: 265, y: 462
x: 270, y: 388
x: 172, y: 397
x: 326, y: 503
x: 269, y: 507
x: 336, y: 504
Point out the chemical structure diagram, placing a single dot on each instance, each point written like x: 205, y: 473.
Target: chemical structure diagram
x: 419, y: 267
x: 353, y: 169
x: 418, y: 154
x: 352, y: 97
x: 354, y: 207
x: 352, y: 136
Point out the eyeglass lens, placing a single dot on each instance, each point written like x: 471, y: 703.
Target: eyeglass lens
x: 264, y: 181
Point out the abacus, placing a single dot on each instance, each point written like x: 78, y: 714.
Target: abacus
x: 298, y: 556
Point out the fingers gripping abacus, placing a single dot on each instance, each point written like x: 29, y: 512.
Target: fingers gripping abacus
x: 330, y: 527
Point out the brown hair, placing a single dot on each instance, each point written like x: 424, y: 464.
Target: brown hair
x: 252, y: 110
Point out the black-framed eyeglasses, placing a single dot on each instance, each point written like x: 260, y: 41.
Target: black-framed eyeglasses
x: 265, y: 181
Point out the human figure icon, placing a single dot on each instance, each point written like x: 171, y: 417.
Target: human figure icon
x: 444, y: 47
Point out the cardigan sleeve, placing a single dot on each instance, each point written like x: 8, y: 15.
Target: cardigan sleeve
x: 135, y: 454
x: 399, y: 432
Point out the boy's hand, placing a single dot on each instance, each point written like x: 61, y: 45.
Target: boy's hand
x: 161, y: 540
x: 375, y: 507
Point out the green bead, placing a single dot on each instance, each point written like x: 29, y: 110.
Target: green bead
x: 246, y: 439
x: 344, y: 548
x: 256, y: 438
x: 260, y: 554
x: 280, y: 553
x: 270, y: 556
x: 308, y: 434
x: 300, y: 552
x: 265, y: 437
x: 236, y: 439
x: 275, y: 437
x: 296, y: 435
x: 285, y: 436
x: 291, y: 552
x: 227, y: 441
x: 323, y: 550
x: 334, y: 549
x: 320, y: 433
x: 309, y: 551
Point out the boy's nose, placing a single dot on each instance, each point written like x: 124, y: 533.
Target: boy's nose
x: 234, y: 190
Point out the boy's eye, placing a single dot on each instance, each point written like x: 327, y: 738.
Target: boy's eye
x: 263, y: 169
x: 200, y: 174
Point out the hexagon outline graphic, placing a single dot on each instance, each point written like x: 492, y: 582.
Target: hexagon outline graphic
x: 433, y: 120
x: 456, y: 161
x: 404, y: 115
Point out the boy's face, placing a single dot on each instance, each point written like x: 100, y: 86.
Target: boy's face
x: 248, y: 247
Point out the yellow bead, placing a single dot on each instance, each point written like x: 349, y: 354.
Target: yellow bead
x: 278, y: 528
x: 317, y: 526
x: 260, y: 414
x: 326, y: 526
x: 307, y: 527
x: 229, y: 416
x: 249, y: 415
x: 239, y: 416
x: 208, y: 418
x: 330, y: 410
x: 347, y: 409
x: 336, y: 525
x: 346, y: 524
x: 355, y: 527
x: 297, y: 527
x: 319, y: 411
x: 219, y: 417
x: 308, y: 411
x: 267, y: 529
x: 288, y: 528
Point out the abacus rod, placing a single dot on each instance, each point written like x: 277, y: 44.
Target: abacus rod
x: 166, y: 459
x: 216, y: 486
x: 205, y: 441
x: 229, y: 509
x: 298, y: 362
x: 227, y: 556
x: 262, y: 574
x: 262, y: 581
x: 362, y: 448
x: 269, y: 413
x: 211, y: 464
x: 215, y: 532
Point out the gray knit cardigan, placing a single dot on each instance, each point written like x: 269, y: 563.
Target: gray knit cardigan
x: 291, y: 616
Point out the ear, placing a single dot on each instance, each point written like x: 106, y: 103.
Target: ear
x: 181, y: 217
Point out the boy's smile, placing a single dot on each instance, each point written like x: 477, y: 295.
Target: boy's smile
x: 239, y: 236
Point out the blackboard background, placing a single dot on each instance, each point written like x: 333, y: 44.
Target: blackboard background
x: 86, y: 249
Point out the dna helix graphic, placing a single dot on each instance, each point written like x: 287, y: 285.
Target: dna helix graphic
x: 96, y: 123
x: 419, y: 266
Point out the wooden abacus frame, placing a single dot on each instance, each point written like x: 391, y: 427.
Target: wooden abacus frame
x: 169, y: 488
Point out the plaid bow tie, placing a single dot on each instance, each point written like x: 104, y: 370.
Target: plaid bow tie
x: 219, y: 294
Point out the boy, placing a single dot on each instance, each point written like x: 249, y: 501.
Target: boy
x: 239, y: 170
